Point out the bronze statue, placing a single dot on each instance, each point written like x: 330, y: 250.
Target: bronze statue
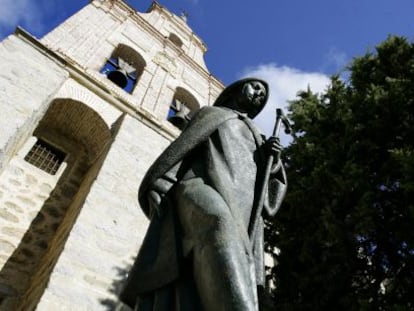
x: 200, y: 195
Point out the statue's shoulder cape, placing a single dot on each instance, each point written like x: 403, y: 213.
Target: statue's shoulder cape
x: 202, y: 125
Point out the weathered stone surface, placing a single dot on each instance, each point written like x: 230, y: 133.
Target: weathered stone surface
x: 30, y: 179
x: 6, y: 247
x: 14, y: 207
x: 22, y: 106
x: 26, y: 200
x: 121, y: 226
x: 6, y: 215
x: 12, y: 231
x: 14, y: 182
x: 46, y: 188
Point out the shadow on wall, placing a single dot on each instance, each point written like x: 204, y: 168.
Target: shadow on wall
x: 116, y: 287
x: 21, y: 272
x: 86, y: 139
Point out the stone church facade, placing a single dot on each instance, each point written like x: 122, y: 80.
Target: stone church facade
x: 85, y: 111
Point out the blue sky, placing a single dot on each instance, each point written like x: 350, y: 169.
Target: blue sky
x: 290, y: 43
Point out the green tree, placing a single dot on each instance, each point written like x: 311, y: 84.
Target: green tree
x: 346, y: 228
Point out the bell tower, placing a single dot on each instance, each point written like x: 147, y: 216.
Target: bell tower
x: 86, y: 110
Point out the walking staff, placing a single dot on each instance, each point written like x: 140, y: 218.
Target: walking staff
x: 257, y: 210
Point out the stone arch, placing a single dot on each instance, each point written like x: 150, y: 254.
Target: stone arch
x: 131, y: 56
x: 50, y: 206
x: 128, y: 63
x: 71, y: 120
x: 189, y: 99
x: 77, y: 93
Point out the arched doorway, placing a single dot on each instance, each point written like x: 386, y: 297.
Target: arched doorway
x: 46, y: 203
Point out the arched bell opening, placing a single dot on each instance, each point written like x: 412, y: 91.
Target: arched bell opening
x: 124, y: 67
x: 182, y: 108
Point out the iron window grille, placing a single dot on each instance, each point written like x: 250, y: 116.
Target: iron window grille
x: 45, y: 157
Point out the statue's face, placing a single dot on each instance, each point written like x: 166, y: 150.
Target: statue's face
x: 252, y: 98
x: 255, y: 93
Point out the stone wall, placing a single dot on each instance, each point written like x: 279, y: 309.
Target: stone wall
x: 37, y: 202
x: 109, y: 229
x: 69, y: 203
x: 28, y: 81
x: 23, y: 190
x: 44, y: 217
x: 89, y: 37
x: 66, y: 241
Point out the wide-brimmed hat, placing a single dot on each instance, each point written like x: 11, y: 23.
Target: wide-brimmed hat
x: 228, y: 92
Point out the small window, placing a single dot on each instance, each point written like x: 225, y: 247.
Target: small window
x: 45, y: 157
x: 176, y: 40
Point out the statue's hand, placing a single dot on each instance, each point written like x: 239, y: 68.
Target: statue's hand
x: 154, y: 199
x: 273, y: 147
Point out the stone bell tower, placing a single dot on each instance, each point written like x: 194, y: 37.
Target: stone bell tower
x: 85, y: 111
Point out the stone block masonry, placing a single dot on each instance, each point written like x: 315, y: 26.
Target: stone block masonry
x: 27, y: 81
x: 110, y: 227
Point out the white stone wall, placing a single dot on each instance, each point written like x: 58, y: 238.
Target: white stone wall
x: 75, y: 91
x: 81, y: 36
x: 28, y: 80
x: 168, y: 23
x: 90, y: 36
x: 23, y: 190
x: 109, y: 228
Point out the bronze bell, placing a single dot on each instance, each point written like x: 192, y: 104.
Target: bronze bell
x: 180, y: 119
x: 119, y: 77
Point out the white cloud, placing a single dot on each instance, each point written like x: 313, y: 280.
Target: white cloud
x: 20, y: 12
x: 284, y: 83
x: 335, y: 60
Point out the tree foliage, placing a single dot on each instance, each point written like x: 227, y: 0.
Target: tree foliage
x: 346, y: 228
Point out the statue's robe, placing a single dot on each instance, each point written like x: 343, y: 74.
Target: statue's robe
x: 221, y: 152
